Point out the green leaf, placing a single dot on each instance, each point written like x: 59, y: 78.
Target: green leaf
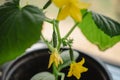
x: 43, y: 76
x: 109, y: 26
x: 19, y: 29
x: 96, y: 35
x: 66, y: 59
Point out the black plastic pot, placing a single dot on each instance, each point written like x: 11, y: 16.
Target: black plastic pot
x: 36, y: 61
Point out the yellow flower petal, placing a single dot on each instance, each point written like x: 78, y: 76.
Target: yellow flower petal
x: 70, y: 8
x: 70, y: 71
x: 75, y: 3
x: 82, y: 61
x: 51, y: 60
x: 55, y: 58
x: 76, y: 69
x: 60, y: 3
x: 63, y: 13
x: 75, y: 14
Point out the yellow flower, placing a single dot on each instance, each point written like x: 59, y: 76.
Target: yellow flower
x: 55, y: 58
x: 77, y: 68
x: 70, y: 7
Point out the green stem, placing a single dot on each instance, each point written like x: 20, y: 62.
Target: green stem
x: 62, y: 75
x: 47, y: 43
x: 55, y: 72
x: 58, y: 34
x: 49, y: 20
x: 54, y: 40
x: 71, y: 54
x: 70, y: 31
x: 47, y: 4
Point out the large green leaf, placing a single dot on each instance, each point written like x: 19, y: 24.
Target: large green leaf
x: 109, y: 26
x: 96, y: 35
x: 19, y: 29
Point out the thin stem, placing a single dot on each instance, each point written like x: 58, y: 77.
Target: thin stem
x: 58, y: 34
x: 54, y: 40
x: 47, y: 43
x: 71, y: 54
x: 47, y: 4
x: 55, y: 72
x: 62, y: 75
x: 71, y: 30
x: 49, y: 20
